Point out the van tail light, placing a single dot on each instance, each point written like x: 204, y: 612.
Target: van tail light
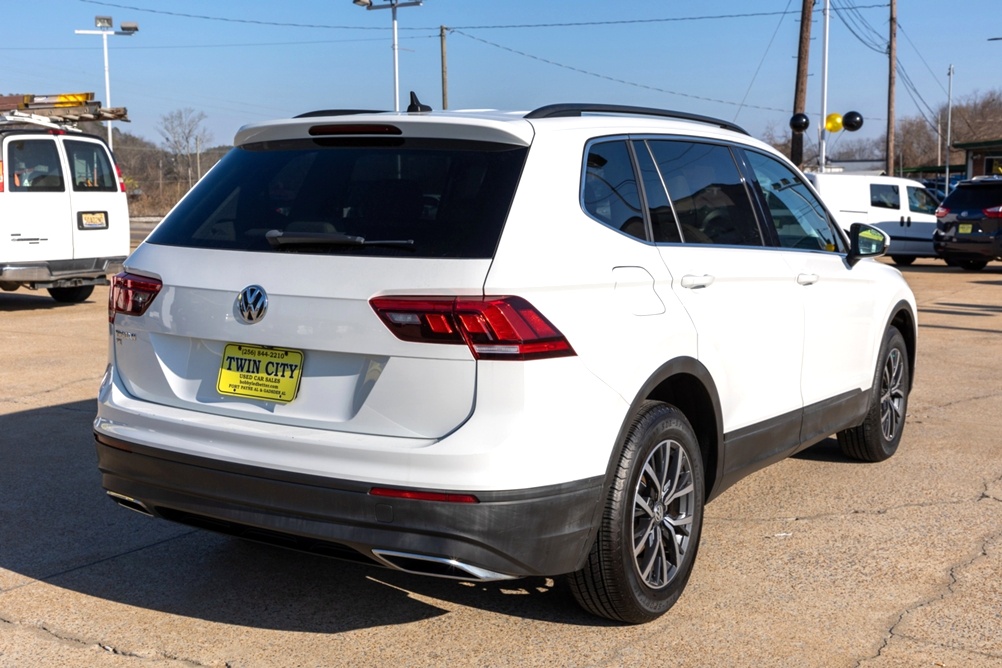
x: 121, y: 179
x: 993, y: 212
x: 131, y: 294
x: 1, y: 176
x: 494, y: 328
x: 941, y: 211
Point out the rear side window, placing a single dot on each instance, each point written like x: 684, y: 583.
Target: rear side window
x: 610, y: 194
x: 884, y: 196
x: 33, y: 166
x: 90, y: 166
x: 397, y: 197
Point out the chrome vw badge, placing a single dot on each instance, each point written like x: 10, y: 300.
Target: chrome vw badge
x: 252, y: 303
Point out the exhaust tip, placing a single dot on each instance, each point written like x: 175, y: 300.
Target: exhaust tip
x: 441, y: 567
x: 130, y: 503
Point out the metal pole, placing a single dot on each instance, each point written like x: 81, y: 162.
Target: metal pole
x: 107, y: 84
x: 396, y: 72
x: 824, y: 90
x: 949, y: 120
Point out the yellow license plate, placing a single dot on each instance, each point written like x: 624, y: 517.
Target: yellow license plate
x: 965, y: 228
x: 92, y: 220
x: 260, y: 372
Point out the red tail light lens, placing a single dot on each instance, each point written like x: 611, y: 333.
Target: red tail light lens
x: 131, y: 294
x: 495, y: 328
x: 941, y: 211
x: 994, y: 212
x: 121, y: 179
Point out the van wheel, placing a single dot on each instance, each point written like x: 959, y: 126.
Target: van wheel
x: 73, y: 295
x: 973, y: 265
x: 877, y: 438
x: 903, y: 260
x: 646, y: 545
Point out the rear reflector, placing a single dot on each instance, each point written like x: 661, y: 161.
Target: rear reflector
x: 131, y: 294
x: 496, y: 328
x: 444, y: 497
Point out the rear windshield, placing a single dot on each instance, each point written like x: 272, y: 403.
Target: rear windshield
x: 383, y: 197
x: 974, y: 196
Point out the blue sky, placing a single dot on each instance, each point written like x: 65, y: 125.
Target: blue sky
x: 245, y: 61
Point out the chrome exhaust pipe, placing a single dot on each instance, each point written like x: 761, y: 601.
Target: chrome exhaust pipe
x: 441, y: 567
x: 130, y: 503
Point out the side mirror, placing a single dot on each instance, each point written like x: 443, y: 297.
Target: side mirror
x: 866, y: 241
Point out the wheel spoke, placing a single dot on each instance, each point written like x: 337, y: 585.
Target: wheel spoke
x: 662, y: 513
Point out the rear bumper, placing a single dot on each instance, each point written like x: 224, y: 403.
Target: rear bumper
x: 969, y: 247
x: 540, y: 531
x: 61, y: 273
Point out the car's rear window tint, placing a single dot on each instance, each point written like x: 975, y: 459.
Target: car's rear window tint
x: 977, y: 196
x: 448, y: 198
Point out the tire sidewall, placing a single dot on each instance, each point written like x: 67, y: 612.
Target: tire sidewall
x: 661, y: 422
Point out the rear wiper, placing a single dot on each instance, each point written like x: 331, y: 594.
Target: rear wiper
x: 279, y: 239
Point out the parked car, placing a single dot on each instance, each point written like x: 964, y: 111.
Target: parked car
x: 903, y: 208
x: 63, y: 208
x: 489, y: 345
x: 969, y: 224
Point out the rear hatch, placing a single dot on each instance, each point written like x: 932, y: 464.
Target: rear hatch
x: 973, y: 211
x: 262, y: 277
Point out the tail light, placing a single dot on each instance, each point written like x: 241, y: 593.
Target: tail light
x: 993, y: 212
x: 941, y: 211
x: 1, y: 176
x: 121, y: 179
x: 131, y: 294
x: 494, y: 328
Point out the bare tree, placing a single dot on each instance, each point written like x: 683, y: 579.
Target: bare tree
x: 184, y: 139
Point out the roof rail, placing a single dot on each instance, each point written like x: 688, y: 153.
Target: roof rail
x: 579, y: 109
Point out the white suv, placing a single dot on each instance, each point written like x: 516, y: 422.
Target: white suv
x: 489, y: 345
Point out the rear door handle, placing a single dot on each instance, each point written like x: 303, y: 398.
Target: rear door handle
x: 807, y: 279
x: 693, y: 282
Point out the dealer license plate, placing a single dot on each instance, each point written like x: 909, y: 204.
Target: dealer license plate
x: 965, y: 228
x: 260, y: 372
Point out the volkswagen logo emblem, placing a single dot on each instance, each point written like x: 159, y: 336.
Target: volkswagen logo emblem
x: 252, y: 303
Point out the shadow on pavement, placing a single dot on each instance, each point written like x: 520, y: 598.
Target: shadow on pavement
x: 58, y: 526
x: 28, y: 300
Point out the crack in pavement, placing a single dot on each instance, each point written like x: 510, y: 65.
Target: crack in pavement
x: 947, y: 590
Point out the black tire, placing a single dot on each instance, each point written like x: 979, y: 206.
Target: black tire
x: 903, y: 260
x: 633, y: 584
x: 877, y: 438
x: 973, y: 265
x: 73, y: 295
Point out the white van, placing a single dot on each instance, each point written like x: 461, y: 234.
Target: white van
x: 902, y: 208
x: 64, y: 218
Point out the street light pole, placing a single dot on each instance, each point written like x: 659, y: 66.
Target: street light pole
x: 105, y: 28
x: 393, y: 4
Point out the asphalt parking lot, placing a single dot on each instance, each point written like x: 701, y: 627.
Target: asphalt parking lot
x: 816, y: 561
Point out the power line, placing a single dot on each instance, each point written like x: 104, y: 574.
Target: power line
x: 605, y: 76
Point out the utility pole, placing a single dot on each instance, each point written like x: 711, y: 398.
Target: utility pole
x: 800, y: 90
x: 445, y: 69
x: 892, y: 57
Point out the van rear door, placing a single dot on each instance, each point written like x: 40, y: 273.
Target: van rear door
x: 100, y: 213
x: 34, y: 225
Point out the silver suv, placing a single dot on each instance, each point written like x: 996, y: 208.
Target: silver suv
x: 488, y: 345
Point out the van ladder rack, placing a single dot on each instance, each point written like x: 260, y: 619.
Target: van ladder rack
x: 579, y: 109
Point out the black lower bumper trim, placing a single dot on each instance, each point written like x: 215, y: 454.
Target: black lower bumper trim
x: 529, y: 532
